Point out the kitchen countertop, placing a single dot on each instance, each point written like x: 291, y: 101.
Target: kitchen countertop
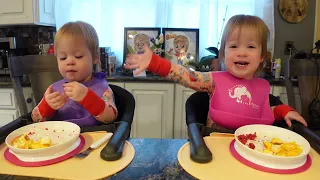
x: 119, y: 77
x: 9, y: 84
x: 152, y: 162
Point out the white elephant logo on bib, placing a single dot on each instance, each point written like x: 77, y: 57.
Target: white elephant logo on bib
x: 241, y: 94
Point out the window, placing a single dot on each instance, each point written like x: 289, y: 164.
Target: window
x: 110, y: 17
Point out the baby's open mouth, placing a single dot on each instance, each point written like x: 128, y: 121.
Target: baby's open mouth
x: 241, y: 63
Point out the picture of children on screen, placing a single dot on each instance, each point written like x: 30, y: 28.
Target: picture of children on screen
x: 180, y: 47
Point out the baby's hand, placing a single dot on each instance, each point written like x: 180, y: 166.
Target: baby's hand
x: 55, y: 99
x: 75, y: 91
x: 139, y: 61
x: 293, y: 115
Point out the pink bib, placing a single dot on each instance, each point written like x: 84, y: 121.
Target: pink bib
x: 238, y: 102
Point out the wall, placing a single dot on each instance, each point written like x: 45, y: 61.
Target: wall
x: 302, y: 34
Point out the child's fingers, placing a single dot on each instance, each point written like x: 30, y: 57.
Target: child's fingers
x: 132, y: 58
x: 36, y: 115
x: 301, y: 119
x: 52, y: 95
x: 59, y: 104
x: 56, y: 99
x: 64, y: 96
x: 68, y: 89
x: 68, y: 93
x: 66, y: 85
x: 132, y: 66
x: 49, y: 90
x: 288, y: 122
x: 130, y: 62
x: 70, y: 84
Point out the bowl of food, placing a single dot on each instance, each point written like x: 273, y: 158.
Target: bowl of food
x: 271, y: 146
x: 43, y: 138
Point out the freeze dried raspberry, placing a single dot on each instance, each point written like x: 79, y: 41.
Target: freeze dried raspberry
x: 252, y: 146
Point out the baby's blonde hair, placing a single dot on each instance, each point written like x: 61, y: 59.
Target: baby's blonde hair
x: 143, y: 38
x: 183, y: 39
x: 80, y: 30
x: 246, y: 21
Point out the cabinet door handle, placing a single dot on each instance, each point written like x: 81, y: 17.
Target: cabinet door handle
x: 29, y: 100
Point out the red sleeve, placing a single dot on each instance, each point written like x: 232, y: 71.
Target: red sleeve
x: 281, y: 111
x: 44, y: 109
x: 159, y: 65
x: 93, y: 103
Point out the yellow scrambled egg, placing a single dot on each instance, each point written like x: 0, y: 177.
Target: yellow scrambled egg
x: 279, y: 148
x: 24, y: 142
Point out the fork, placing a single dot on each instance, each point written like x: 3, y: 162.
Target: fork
x: 93, y: 146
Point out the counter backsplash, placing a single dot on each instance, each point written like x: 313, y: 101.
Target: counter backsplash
x: 36, y: 35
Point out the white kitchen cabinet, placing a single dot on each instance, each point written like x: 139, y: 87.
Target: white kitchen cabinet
x: 26, y: 12
x: 181, y: 95
x: 120, y: 84
x: 7, y: 116
x: 7, y: 99
x: 153, y: 117
x: 9, y: 109
x: 8, y: 106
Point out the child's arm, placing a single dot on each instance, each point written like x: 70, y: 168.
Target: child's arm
x: 287, y: 113
x: 110, y: 112
x: 198, y: 81
x: 50, y: 102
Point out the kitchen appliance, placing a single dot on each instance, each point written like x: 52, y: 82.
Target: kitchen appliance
x: 9, y: 47
x: 107, y: 62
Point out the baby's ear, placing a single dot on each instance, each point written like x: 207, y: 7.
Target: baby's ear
x: 261, y: 60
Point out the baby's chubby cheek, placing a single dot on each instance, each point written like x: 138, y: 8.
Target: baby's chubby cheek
x: 63, y: 73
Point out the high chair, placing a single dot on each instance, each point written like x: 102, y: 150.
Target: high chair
x: 43, y: 71
x: 197, y: 107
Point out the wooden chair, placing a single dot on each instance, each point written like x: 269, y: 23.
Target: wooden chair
x: 42, y: 71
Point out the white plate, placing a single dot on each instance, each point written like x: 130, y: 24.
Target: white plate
x: 45, y: 158
x: 62, y: 134
x: 269, y: 164
x: 264, y: 132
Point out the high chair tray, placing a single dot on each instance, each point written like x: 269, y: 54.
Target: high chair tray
x: 225, y: 166
x: 112, y: 151
x: 93, y: 167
